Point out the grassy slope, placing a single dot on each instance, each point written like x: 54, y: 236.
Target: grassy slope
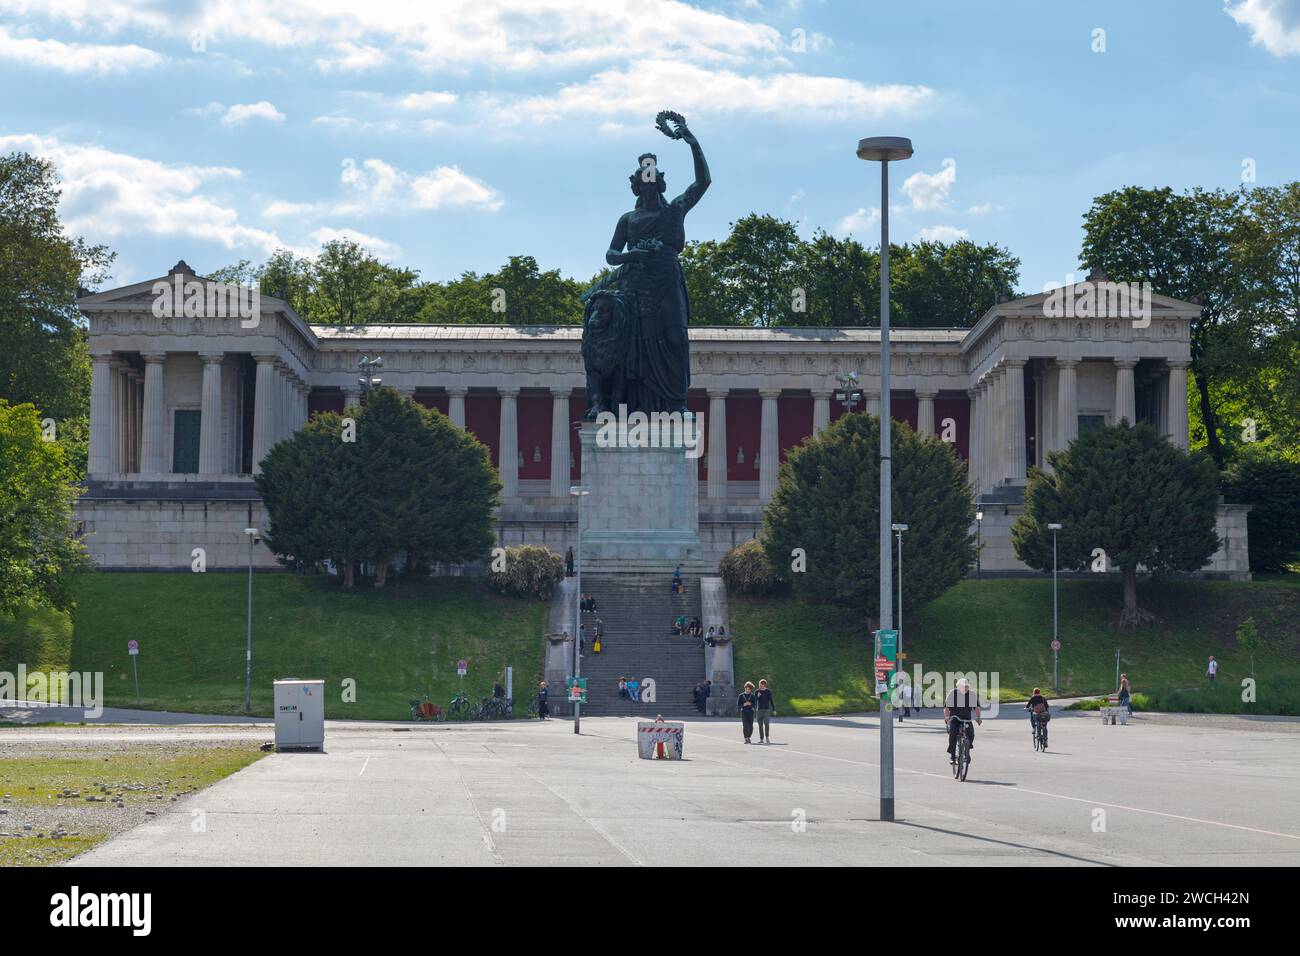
x: 816, y: 658
x: 191, y: 629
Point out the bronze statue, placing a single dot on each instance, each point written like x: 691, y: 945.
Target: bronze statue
x: 634, y: 324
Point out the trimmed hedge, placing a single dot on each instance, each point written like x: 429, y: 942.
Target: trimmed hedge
x: 529, y: 571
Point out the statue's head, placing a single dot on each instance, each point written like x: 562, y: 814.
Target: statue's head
x: 647, y: 179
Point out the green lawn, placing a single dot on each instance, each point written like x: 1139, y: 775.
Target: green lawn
x: 817, y: 658
x: 395, y: 644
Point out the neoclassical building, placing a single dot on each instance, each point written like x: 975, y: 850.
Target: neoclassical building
x: 184, y: 407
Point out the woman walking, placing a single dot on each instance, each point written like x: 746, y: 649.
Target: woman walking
x: 542, y: 709
x: 745, y: 704
x: 766, y: 707
x: 1125, y: 694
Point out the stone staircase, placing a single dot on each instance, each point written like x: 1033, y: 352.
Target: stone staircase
x: 638, y: 611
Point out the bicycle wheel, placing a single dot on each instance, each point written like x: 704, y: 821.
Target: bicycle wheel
x: 963, y: 761
x: 1037, y: 734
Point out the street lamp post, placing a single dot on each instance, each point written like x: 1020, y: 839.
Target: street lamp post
x: 578, y: 492
x: 368, y: 379
x: 849, y: 393
x: 248, y: 656
x: 1056, y: 639
x: 885, y: 149
x: 979, y: 545
x: 898, y: 530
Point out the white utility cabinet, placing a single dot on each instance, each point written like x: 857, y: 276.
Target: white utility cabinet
x: 300, y: 714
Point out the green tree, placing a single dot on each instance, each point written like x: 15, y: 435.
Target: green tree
x: 410, y: 481
x: 1248, y: 640
x: 1271, y: 486
x: 827, y: 505
x: 1125, y: 490
x: 948, y: 285
x: 44, y: 359
x: 841, y: 279
x: 38, y: 550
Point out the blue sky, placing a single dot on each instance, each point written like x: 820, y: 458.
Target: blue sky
x: 447, y: 136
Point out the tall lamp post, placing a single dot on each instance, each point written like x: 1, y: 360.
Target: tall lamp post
x: 248, y: 656
x: 979, y: 544
x: 578, y: 492
x: 884, y: 150
x: 898, y: 530
x: 1056, y: 637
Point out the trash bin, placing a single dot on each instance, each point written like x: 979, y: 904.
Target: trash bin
x: 299, y: 714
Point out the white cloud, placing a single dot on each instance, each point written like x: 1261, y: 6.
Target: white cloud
x: 930, y: 190
x: 1273, y: 24
x: 859, y: 222
x: 942, y: 233
x: 376, y: 185
x: 243, y: 112
x: 983, y: 209
x: 639, y: 88
x: 375, y: 245
x: 108, y: 194
x: 76, y: 57
x: 427, y: 100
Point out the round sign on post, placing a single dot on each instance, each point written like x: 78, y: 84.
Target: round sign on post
x: 462, y: 667
x: 133, y: 647
x: 1056, y: 645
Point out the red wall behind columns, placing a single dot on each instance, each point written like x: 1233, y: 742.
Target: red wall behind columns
x: 903, y: 407
x: 577, y: 408
x: 319, y: 400
x: 956, y: 407
x: 698, y: 402
x: 535, y: 433
x: 793, y: 420
x: 483, y: 421
x: 438, y: 400
x: 744, y: 426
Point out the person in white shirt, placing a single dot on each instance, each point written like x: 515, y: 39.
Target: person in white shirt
x: 1212, y: 669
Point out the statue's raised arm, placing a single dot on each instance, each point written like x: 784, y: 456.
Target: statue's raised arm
x: 695, y: 190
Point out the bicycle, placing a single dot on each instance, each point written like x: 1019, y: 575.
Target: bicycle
x: 459, y: 706
x: 1039, y: 730
x: 424, y: 709
x: 961, y: 762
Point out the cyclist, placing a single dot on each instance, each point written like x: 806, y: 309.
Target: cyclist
x: 1038, y: 710
x: 959, y: 705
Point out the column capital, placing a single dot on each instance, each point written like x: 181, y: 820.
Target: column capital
x: 1178, y: 363
x: 719, y: 392
x: 265, y: 358
x: 1067, y: 362
x: 974, y: 393
x: 507, y: 391
x: 1125, y: 362
x: 153, y: 358
x: 212, y: 358
x: 821, y: 393
x: 930, y: 395
x: 101, y: 355
x: 561, y: 392
x: 461, y: 390
x: 769, y: 392
x: 1012, y: 362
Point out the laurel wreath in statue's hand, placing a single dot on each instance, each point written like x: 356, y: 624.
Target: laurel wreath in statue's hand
x: 677, y: 130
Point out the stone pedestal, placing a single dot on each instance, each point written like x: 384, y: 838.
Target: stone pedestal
x: 643, y: 511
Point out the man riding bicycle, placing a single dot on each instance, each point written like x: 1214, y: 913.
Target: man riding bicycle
x: 958, y: 706
x: 1039, y: 711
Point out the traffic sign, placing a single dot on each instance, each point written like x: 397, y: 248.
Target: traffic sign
x: 1056, y: 645
x: 462, y: 667
x: 133, y: 647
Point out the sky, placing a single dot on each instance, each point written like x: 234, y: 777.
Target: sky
x: 447, y: 136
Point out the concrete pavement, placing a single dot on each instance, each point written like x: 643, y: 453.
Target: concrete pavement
x: 536, y: 794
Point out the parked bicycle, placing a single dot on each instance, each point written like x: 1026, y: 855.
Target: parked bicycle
x: 424, y: 709
x: 460, y: 706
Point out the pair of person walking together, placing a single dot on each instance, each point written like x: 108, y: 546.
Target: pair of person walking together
x: 756, y: 704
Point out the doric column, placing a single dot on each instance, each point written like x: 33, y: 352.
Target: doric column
x: 873, y: 403
x: 974, y: 458
x: 996, y: 440
x: 1176, y: 416
x: 559, y: 442
x: 153, y: 433
x: 210, y: 416
x: 716, y: 428
x: 1125, y: 403
x: 987, y: 431
x: 1047, y: 415
x: 1067, y: 402
x: 1015, y: 411
x: 131, y: 434
x: 925, y: 412
x: 456, y: 407
x: 769, y: 447
x: 117, y: 415
x: 821, y: 409
x: 508, y: 444
x: 351, y: 397
x: 263, y: 409
x: 99, y: 454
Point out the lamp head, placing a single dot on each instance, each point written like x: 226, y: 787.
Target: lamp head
x: 885, y: 148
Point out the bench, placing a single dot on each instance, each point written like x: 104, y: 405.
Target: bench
x: 1113, y: 712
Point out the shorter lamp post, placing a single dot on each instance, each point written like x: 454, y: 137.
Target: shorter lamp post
x: 368, y: 379
x: 1056, y: 639
x: 979, y: 544
x: 849, y: 393
x: 248, y: 657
